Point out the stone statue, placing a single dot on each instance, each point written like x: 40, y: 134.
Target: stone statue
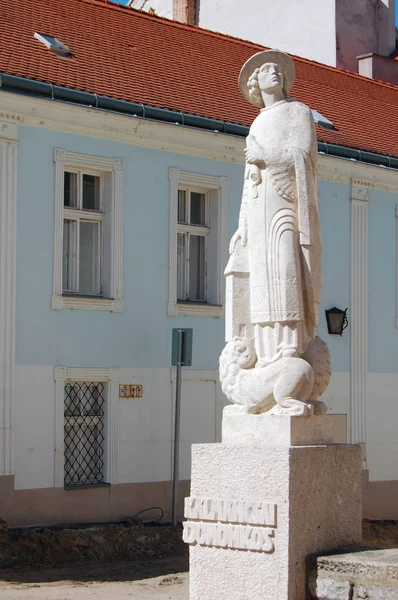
x: 273, y: 360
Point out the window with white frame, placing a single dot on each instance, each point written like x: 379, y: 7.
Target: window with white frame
x: 83, y: 236
x: 88, y: 232
x: 84, y: 433
x: 198, y: 215
x: 86, y: 426
x: 192, y: 244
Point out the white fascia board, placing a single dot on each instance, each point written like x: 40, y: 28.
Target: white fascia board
x: 59, y: 116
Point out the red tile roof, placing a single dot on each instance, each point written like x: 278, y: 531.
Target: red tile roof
x: 130, y: 55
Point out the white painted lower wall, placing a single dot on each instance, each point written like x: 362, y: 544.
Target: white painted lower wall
x: 337, y: 395
x: 382, y: 427
x: 34, y: 427
x: 145, y: 429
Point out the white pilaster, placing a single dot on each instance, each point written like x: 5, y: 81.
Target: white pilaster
x: 223, y: 234
x: 59, y: 160
x: 117, y: 283
x: 8, y: 202
x: 359, y: 313
x: 59, y: 378
x: 396, y: 280
x: 113, y: 426
x: 173, y: 179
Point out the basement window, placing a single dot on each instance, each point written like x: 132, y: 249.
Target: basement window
x: 322, y: 121
x: 53, y: 44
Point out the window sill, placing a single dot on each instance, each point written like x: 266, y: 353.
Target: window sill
x: 188, y: 309
x: 86, y: 303
x: 86, y: 486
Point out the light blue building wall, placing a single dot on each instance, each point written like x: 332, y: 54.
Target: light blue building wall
x: 382, y: 277
x: 141, y: 335
x: 138, y: 340
x: 334, y: 205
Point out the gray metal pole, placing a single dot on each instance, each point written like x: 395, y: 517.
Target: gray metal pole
x: 177, y: 429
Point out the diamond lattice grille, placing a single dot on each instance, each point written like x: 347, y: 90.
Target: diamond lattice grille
x: 84, y: 433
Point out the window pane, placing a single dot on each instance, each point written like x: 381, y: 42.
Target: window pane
x: 196, y: 267
x: 182, y: 206
x: 84, y: 433
x: 89, y: 259
x: 91, y: 192
x: 72, y: 400
x: 198, y: 208
x: 70, y: 189
x: 181, y: 266
x: 69, y: 256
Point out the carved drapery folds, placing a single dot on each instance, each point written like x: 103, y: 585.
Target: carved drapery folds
x: 273, y: 360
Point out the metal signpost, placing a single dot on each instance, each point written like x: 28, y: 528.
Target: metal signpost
x: 181, y: 356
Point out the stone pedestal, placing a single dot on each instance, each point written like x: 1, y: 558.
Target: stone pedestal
x: 238, y: 427
x: 257, y: 510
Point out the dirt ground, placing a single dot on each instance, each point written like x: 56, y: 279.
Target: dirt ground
x: 154, y: 565
x: 147, y: 579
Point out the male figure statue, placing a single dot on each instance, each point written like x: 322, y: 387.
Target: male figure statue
x: 274, y: 271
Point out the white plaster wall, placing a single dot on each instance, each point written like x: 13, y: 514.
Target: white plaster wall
x: 145, y: 429
x: 337, y: 398
x: 34, y: 427
x: 198, y: 419
x: 146, y: 424
x: 337, y: 395
x: 333, y: 32
x: 306, y: 28
x: 163, y: 8
x: 387, y: 31
x: 382, y: 424
x: 363, y: 26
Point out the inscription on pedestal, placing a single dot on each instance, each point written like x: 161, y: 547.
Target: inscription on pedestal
x: 225, y: 523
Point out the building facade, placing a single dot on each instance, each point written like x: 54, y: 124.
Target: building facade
x: 336, y: 31
x: 114, y: 231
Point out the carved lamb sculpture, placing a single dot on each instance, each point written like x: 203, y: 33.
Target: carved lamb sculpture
x: 288, y: 386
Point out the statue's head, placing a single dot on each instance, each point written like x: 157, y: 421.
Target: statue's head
x: 270, y: 71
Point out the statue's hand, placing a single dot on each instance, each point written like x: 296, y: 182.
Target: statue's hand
x: 254, y: 155
x: 240, y: 234
x: 253, y: 152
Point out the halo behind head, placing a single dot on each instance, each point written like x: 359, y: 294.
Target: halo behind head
x: 259, y: 59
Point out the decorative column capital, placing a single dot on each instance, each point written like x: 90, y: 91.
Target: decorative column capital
x: 59, y: 155
x: 359, y: 193
x: 174, y: 174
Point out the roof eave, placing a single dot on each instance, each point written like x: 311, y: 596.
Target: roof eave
x: 32, y: 87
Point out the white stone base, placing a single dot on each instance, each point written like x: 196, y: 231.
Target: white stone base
x: 240, y: 427
x: 256, y: 512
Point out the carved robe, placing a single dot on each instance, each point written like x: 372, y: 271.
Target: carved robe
x: 281, y: 262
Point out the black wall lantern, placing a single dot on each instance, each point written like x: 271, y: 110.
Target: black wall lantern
x: 337, y: 320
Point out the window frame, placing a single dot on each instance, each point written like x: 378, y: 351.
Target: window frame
x: 111, y: 379
x: 79, y: 214
x: 187, y: 229
x: 217, y: 190
x: 83, y: 422
x: 110, y: 171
